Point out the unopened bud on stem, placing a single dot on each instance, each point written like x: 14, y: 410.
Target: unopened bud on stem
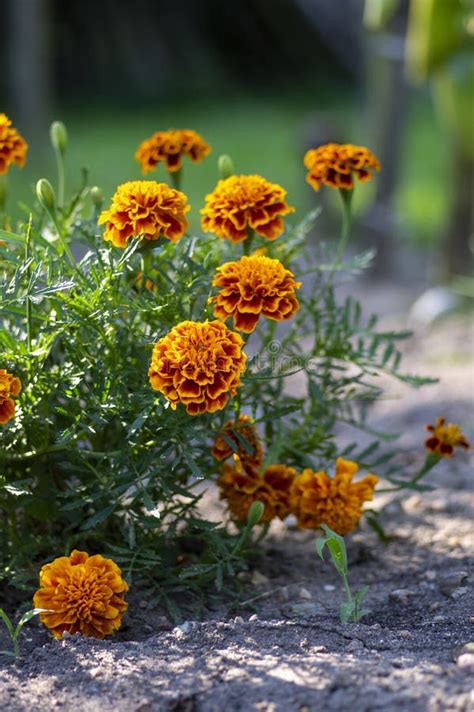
x: 58, y: 135
x: 46, y: 196
x: 225, y: 166
x: 255, y: 513
x: 97, y: 196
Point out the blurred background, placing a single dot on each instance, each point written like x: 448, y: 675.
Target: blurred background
x: 263, y: 80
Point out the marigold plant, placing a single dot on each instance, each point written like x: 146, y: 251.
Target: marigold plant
x: 13, y: 147
x: 134, y: 396
x: 81, y: 594
x: 252, y: 287
x: 170, y: 147
x: 241, y: 204
x: 444, y: 437
x: 336, y: 165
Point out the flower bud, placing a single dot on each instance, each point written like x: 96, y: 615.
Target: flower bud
x: 255, y: 513
x: 46, y: 196
x: 97, y: 196
x: 225, y: 166
x: 58, y: 135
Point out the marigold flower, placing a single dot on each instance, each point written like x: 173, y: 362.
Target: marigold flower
x: 147, y: 209
x: 445, y: 437
x: 81, y: 594
x: 170, y: 147
x: 240, y: 487
x: 242, y: 203
x: 10, y: 387
x: 318, y: 499
x: 199, y: 365
x: 244, y: 435
x: 335, y: 165
x: 13, y: 147
x: 254, y: 286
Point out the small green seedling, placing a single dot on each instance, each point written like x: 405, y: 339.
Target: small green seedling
x: 351, y: 609
x: 15, y: 631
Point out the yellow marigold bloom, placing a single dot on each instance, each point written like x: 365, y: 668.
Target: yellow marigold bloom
x: 445, y: 437
x: 147, y: 209
x: 254, y: 286
x: 81, y: 594
x: 199, y: 365
x: 250, y: 452
x: 170, y: 147
x: 242, y: 203
x: 10, y: 387
x: 240, y: 487
x: 13, y: 147
x: 318, y: 499
x: 336, y: 164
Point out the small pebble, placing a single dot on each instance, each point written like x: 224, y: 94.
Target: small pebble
x: 450, y: 582
x: 143, y: 604
x: 401, y: 595
x: 466, y: 662
x: 435, y: 606
x: 354, y: 645
x: 238, y: 620
x: 459, y: 592
x: 430, y: 575
x: 253, y: 618
x: 305, y: 594
x: 405, y: 634
x: 258, y: 579
x: 439, y: 619
x: 95, y: 672
x: 329, y: 587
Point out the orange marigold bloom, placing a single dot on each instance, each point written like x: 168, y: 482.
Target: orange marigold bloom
x: 170, y: 147
x: 318, y: 499
x: 13, y: 147
x: 335, y: 165
x: 445, y: 437
x: 241, y: 487
x: 10, y: 387
x: 81, y: 594
x: 146, y: 209
x: 254, y: 286
x: 244, y: 435
x: 199, y: 365
x: 242, y: 203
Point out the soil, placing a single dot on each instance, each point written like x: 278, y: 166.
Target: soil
x: 281, y: 648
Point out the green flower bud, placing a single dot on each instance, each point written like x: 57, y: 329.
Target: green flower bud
x: 46, y: 196
x: 97, y: 196
x: 58, y: 135
x: 225, y: 166
x: 255, y: 513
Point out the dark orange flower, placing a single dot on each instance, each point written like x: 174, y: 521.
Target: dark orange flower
x: 146, y: 209
x: 240, y: 204
x: 170, y: 147
x: 240, y: 487
x: 10, y: 387
x: 13, y: 147
x: 336, y: 164
x: 319, y: 499
x: 247, y: 444
x: 445, y: 437
x: 254, y: 286
x: 81, y: 594
x: 199, y: 365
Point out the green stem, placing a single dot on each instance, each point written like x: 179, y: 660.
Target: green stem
x: 3, y: 195
x: 175, y: 177
x: 248, y: 242
x: 346, y: 198
x: 61, y: 178
x: 28, y: 274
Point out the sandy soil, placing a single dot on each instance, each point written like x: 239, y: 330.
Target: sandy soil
x: 282, y: 648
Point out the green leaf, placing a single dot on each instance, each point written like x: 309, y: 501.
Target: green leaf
x: 346, y: 611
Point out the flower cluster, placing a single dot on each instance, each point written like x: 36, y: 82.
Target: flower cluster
x: 10, y: 387
x: 81, y: 594
x: 240, y: 439
x: 147, y: 209
x: 445, y: 437
x: 199, y: 365
x: 13, y: 146
x: 241, y: 204
x: 336, y: 165
x: 170, y: 147
x: 252, y: 287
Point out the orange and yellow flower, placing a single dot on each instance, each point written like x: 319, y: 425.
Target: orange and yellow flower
x: 10, y: 387
x: 241, y: 204
x: 445, y: 437
x: 13, y: 146
x: 199, y: 365
x: 146, y: 209
x: 170, y: 147
x: 336, y: 164
x: 246, y: 440
x: 240, y: 487
x: 81, y: 594
x: 252, y: 287
x: 319, y: 499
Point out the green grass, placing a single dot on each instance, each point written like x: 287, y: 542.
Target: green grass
x: 262, y: 134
